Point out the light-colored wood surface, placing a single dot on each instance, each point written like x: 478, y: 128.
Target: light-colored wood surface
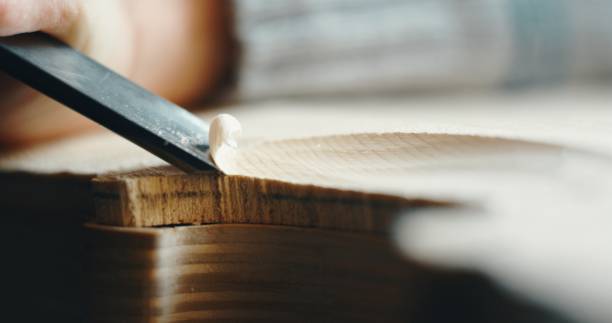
x: 407, y: 165
x: 578, y: 118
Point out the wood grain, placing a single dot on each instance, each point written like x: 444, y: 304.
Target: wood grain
x: 58, y: 270
x: 166, y: 196
x: 264, y: 273
x: 238, y: 272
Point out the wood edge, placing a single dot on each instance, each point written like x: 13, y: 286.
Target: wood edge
x: 164, y: 196
x: 112, y: 203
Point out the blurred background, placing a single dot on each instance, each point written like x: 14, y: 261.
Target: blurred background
x: 354, y: 47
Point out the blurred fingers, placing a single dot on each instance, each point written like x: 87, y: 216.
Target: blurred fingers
x: 54, y: 16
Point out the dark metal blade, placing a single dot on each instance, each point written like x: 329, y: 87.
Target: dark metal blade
x: 104, y: 96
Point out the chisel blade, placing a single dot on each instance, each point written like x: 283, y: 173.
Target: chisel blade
x: 75, y: 80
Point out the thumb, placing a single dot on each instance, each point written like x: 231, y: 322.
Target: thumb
x: 95, y: 27
x: 21, y: 16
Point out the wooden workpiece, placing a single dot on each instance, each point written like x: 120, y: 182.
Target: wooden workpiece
x: 165, y: 196
x: 99, y: 230
x: 290, y: 271
x: 245, y: 272
x: 223, y: 270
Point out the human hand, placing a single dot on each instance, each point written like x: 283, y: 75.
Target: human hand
x: 173, y: 48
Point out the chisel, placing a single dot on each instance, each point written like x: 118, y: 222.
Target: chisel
x: 73, y: 79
